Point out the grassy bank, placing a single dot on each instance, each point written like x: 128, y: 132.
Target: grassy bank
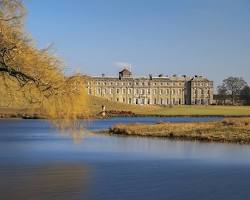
x: 20, y: 113
x: 139, y: 110
x: 96, y: 104
x: 233, y: 130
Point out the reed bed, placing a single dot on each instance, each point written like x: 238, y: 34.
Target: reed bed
x: 233, y: 130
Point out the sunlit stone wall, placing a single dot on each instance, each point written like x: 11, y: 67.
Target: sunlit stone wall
x: 160, y: 90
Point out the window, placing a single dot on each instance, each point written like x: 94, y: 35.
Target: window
x: 161, y: 101
x: 155, y: 101
x: 123, y: 91
x: 129, y: 100
x: 117, y: 99
x: 129, y: 91
x: 99, y: 91
x: 154, y: 91
x: 179, y: 91
x: 161, y: 91
x: 148, y: 91
x: 142, y: 91
x: 117, y: 91
x: 148, y: 101
x: 123, y: 100
x: 89, y: 91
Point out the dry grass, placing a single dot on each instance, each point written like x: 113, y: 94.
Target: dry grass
x: 235, y: 130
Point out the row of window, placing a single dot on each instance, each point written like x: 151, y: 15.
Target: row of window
x: 150, y: 101
x: 201, y: 92
x: 202, y: 84
x: 100, y: 91
x: 200, y: 101
x: 161, y: 101
x: 139, y: 83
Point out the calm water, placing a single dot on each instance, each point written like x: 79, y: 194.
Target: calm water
x: 37, y: 162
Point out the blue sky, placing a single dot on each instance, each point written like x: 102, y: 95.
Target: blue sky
x: 205, y: 37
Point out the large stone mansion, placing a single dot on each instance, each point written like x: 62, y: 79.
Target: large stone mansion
x: 160, y: 90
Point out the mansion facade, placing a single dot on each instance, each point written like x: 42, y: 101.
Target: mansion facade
x: 160, y: 90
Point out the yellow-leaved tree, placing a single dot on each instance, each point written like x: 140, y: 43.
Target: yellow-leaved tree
x: 33, y: 76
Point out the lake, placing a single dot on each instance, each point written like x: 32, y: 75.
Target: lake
x: 38, y: 162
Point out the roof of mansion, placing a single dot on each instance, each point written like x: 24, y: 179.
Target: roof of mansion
x: 125, y: 74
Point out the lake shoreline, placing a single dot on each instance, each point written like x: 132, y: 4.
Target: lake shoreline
x: 37, y: 116
x: 228, y: 130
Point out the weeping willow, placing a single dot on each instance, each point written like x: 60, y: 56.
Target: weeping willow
x: 34, y: 77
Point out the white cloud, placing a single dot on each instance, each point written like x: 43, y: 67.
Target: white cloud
x: 122, y: 65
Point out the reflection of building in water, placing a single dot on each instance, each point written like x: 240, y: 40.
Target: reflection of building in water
x: 161, y: 90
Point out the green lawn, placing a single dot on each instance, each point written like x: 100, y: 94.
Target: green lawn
x: 96, y: 103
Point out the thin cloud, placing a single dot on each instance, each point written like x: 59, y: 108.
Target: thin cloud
x: 122, y: 65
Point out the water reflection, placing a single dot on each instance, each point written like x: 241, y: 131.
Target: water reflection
x: 43, y: 182
x: 37, y: 162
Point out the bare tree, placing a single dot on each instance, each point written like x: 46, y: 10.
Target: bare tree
x: 245, y: 95
x: 222, y: 93
x: 233, y: 86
